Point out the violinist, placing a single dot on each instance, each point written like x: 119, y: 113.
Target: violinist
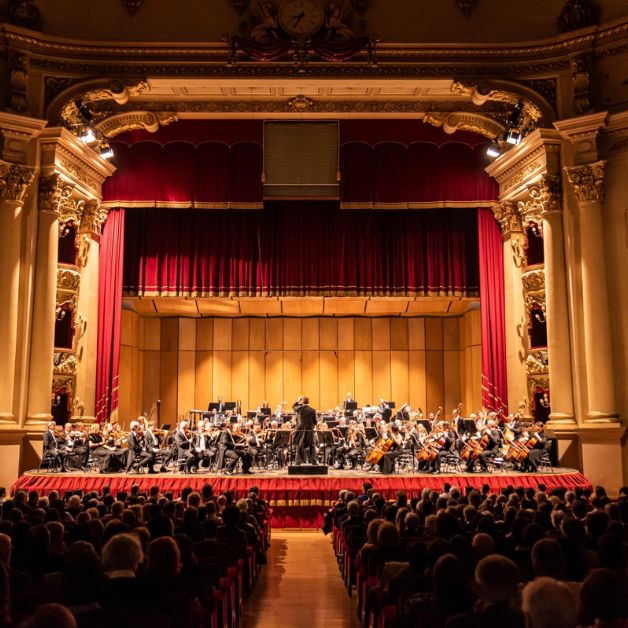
x: 136, y: 451
x: 489, y: 443
x: 255, y: 445
x: 231, y: 448
x: 152, y: 444
x: 53, y: 446
x: 201, y: 444
x: 183, y: 447
x: 387, y: 463
x: 538, y: 449
x: 108, y: 455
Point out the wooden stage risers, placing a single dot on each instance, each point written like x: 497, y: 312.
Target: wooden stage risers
x: 297, y: 501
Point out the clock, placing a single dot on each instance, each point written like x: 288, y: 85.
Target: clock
x: 301, y: 18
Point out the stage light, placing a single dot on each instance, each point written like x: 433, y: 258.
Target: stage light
x: 493, y: 150
x: 88, y: 136
x: 514, y: 136
x: 106, y: 152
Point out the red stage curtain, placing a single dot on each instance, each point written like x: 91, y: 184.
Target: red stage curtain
x: 181, y: 174
x: 396, y: 175
x: 301, y: 248
x: 494, y: 382
x: 109, y: 315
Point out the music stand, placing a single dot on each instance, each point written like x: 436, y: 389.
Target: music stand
x: 325, y: 438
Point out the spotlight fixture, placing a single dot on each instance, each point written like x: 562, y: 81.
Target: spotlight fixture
x: 493, y: 150
x: 106, y: 152
x: 88, y: 136
x: 514, y: 136
x: 84, y: 111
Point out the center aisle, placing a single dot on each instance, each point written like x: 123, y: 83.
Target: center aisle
x: 300, y: 586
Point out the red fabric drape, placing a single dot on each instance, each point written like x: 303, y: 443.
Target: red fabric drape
x: 301, y: 248
x: 494, y: 381
x: 109, y: 314
x: 181, y: 174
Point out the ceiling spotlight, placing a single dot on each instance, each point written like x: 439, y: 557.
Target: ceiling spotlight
x: 493, y: 150
x: 106, y: 152
x: 88, y: 136
x: 84, y: 111
x: 513, y: 136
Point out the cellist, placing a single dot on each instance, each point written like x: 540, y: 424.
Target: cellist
x: 442, y: 440
x: 490, y: 442
x: 387, y: 463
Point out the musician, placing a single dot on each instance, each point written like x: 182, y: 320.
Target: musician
x: 183, y: 446
x: 349, y: 405
x: 107, y: 453
x: 444, y: 439
x: 514, y: 425
x: 52, y: 446
x: 153, y: 444
x: 231, y: 450
x: 136, y: 449
x: 387, y: 462
x: 201, y: 444
x: 491, y: 439
x: 219, y: 406
x: 385, y: 410
x: 403, y: 414
x: 541, y: 446
x: 304, y: 435
x: 256, y: 447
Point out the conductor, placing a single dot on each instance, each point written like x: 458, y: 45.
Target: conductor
x: 304, y: 432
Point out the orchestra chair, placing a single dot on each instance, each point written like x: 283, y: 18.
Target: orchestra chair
x: 451, y: 463
x: 50, y: 460
x: 546, y: 463
x: 136, y: 465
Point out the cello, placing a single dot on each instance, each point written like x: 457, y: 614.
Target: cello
x: 382, y: 445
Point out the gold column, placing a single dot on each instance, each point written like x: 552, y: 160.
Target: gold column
x: 509, y: 220
x: 92, y: 220
x: 52, y: 193
x: 547, y: 196
x: 586, y: 182
x: 14, y: 183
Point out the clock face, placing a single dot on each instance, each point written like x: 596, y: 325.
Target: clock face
x: 301, y: 17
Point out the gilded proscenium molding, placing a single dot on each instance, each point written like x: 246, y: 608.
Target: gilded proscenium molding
x: 536, y: 301
x: 587, y: 181
x: 15, y: 181
x: 465, y: 121
x: 93, y: 217
x: 117, y: 90
x: 68, y: 285
x: 129, y: 121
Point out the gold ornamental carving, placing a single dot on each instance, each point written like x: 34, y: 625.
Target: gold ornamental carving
x: 93, y: 217
x: 522, y: 175
x: 545, y: 197
x: 149, y: 121
x: 465, y: 121
x: 587, y: 181
x: 55, y: 196
x: 68, y: 279
x: 536, y: 363
x: 535, y: 302
x: 64, y: 363
x: 14, y: 181
x: 508, y: 217
x: 533, y: 280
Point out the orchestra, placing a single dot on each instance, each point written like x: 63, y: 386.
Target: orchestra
x: 368, y: 438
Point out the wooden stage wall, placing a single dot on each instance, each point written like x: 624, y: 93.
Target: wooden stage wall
x: 187, y: 362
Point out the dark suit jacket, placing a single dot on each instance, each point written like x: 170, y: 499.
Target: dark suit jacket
x: 50, y: 441
x: 306, y: 416
x: 181, y: 441
x: 134, y: 443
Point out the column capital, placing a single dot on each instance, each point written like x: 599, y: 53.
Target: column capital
x: 93, y: 217
x: 587, y: 181
x: 545, y: 197
x: 508, y: 218
x: 15, y: 181
x: 55, y: 197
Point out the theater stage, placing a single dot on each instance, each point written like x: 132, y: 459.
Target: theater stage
x: 298, y: 501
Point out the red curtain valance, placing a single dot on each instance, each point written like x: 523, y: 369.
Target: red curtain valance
x: 392, y: 175
x: 210, y: 175
x: 300, y: 249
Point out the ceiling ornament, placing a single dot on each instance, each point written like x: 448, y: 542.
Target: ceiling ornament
x: 467, y: 6
x: 22, y: 13
x: 578, y: 14
x: 301, y: 30
x: 132, y: 6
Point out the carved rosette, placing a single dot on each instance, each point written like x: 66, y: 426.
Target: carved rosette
x: 14, y: 181
x: 534, y: 281
x: 587, y: 181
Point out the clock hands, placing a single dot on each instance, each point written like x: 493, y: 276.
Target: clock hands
x: 297, y: 18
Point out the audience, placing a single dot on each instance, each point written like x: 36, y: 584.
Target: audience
x: 129, y: 560
x: 520, y: 558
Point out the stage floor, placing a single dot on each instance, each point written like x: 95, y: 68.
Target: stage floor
x: 298, y: 501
